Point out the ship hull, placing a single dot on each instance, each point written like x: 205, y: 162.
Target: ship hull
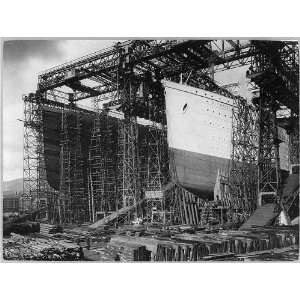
x: 199, y: 136
x: 196, y: 172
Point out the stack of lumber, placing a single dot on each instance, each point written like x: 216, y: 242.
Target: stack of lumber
x: 204, y: 246
x: 283, y: 254
x: 143, y: 243
x: 18, y: 247
x: 21, y: 228
x: 189, y: 207
x: 187, y: 204
x: 45, y: 228
x: 103, y: 254
x: 133, y: 248
x: 118, y: 251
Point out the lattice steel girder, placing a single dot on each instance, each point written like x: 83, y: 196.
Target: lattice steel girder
x: 31, y: 150
x: 106, y: 60
x: 35, y: 185
x: 243, y: 175
x: 294, y: 143
x: 167, y: 56
x: 276, y: 69
x: 269, y: 178
x: 72, y: 188
x: 97, y: 91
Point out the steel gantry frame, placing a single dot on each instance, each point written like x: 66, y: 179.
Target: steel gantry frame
x: 122, y: 68
x: 243, y: 173
x: 275, y: 70
x: 102, y: 167
x: 31, y: 157
x: 72, y: 191
x: 36, y: 191
x: 169, y: 57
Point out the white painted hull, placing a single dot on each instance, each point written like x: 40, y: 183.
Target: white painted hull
x: 200, y: 136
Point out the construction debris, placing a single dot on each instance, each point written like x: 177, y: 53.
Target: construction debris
x: 21, y: 228
x: 143, y: 243
x: 205, y: 246
x: 18, y: 247
x: 132, y: 178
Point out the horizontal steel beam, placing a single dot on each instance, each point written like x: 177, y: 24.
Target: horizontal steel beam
x: 140, y: 52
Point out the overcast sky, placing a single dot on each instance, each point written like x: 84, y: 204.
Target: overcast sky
x: 22, y: 61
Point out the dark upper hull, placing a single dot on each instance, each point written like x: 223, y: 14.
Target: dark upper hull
x: 196, y: 172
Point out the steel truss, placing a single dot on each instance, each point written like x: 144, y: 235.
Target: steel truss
x: 243, y: 173
x: 269, y: 178
x: 102, y: 167
x: 36, y: 191
x: 294, y: 142
x: 167, y: 57
x: 275, y: 70
x: 291, y: 202
x: 128, y: 146
x: 156, y: 209
x: 122, y: 69
x: 73, y: 204
x: 96, y: 175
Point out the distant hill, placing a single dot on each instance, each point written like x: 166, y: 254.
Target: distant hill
x: 13, y: 186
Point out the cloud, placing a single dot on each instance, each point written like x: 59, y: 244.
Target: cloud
x: 77, y: 48
x: 23, y: 60
x: 18, y: 51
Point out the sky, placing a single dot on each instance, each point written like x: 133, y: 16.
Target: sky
x: 22, y: 61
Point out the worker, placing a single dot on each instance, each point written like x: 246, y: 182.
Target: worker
x: 81, y: 254
x: 88, y: 243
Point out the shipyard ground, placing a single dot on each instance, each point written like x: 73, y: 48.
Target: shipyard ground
x: 104, y: 165
x: 130, y: 243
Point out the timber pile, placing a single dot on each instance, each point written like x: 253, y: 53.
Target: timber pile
x: 132, y: 248
x: 45, y: 228
x: 21, y: 228
x: 18, y: 247
x: 189, y: 207
x: 118, y: 252
x: 283, y: 254
x: 153, y: 243
x: 102, y: 254
x: 206, y: 246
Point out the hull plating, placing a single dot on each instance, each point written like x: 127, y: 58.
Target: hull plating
x: 199, y: 136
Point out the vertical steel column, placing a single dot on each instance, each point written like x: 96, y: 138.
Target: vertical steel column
x: 79, y: 200
x: 73, y: 203
x: 30, y: 156
x: 294, y: 143
x: 96, y: 169
x: 243, y: 175
x: 64, y: 200
x: 154, y: 196
x: 128, y: 135
x: 269, y: 178
x: 36, y: 191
